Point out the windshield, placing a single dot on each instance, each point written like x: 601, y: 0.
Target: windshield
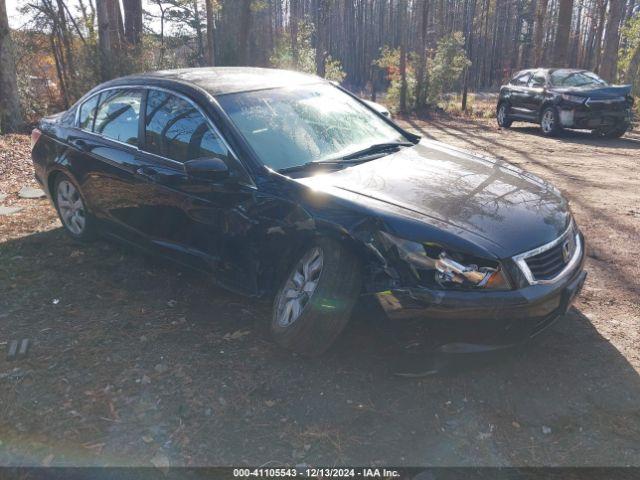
x: 293, y: 126
x: 571, y: 78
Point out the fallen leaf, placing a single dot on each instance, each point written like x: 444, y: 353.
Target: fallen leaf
x: 236, y: 335
x: 46, y: 461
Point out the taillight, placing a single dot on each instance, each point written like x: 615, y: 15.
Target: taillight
x: 35, y: 135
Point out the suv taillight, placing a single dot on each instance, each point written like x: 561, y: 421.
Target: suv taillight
x: 35, y: 135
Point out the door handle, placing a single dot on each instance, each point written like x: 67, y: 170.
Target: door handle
x: 153, y: 174
x: 146, y: 171
x: 80, y: 144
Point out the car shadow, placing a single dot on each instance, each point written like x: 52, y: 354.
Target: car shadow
x: 584, y: 137
x: 133, y: 357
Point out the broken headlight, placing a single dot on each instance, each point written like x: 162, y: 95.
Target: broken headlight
x: 433, y: 264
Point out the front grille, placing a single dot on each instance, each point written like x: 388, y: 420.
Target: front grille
x: 607, y: 105
x: 549, y: 263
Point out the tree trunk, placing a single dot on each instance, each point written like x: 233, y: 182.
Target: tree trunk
x: 421, y: 81
x: 609, y: 62
x: 293, y: 27
x: 132, y: 21
x: 538, y: 32
x: 199, y: 35
x: 109, y: 35
x: 245, y: 29
x: 403, y: 56
x: 10, y: 114
x: 210, y: 50
x: 563, y: 28
x: 525, y: 59
x: 597, y: 46
x: 469, y: 50
x: 320, y: 33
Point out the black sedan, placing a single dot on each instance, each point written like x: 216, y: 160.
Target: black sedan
x: 283, y: 185
x: 565, y: 98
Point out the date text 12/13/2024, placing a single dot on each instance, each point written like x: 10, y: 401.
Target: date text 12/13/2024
x: 315, y: 472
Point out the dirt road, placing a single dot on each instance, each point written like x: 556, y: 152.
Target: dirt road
x: 137, y: 362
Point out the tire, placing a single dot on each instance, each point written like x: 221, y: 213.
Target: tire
x: 307, y: 319
x: 550, y: 122
x: 502, y: 115
x: 613, y: 133
x: 72, y: 210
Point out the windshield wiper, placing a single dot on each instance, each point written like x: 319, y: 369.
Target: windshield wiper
x: 306, y: 166
x: 350, y: 159
x: 377, y: 148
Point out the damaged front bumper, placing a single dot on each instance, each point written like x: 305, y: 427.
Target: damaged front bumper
x: 487, y: 318
x: 585, y: 117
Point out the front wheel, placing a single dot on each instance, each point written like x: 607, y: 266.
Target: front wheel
x: 550, y: 122
x: 502, y: 116
x: 315, y: 302
x: 610, y: 133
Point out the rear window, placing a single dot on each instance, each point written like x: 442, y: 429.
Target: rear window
x: 538, y: 79
x: 87, y: 113
x: 521, y: 78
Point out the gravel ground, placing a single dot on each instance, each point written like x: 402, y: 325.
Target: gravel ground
x: 138, y: 362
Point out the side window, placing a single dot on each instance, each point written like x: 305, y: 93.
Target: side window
x: 175, y: 129
x: 87, y: 113
x: 118, y: 114
x: 521, y: 79
x: 538, y: 80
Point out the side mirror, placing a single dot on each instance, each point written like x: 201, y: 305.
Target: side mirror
x: 207, y: 168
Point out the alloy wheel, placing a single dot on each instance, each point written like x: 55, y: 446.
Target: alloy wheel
x: 71, y: 207
x: 502, y: 114
x: 299, y: 288
x: 548, y: 121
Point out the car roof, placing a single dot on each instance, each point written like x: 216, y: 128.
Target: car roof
x: 225, y: 80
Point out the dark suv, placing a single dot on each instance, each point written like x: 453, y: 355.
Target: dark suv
x: 565, y: 98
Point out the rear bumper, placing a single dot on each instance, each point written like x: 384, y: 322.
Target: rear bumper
x: 485, y: 318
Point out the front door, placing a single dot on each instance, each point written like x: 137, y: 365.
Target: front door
x: 196, y: 221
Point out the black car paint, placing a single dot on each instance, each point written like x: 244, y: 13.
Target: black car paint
x: 247, y: 229
x: 601, y: 106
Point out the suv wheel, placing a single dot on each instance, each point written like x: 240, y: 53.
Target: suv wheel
x: 315, y: 302
x: 550, y: 122
x: 71, y: 208
x: 610, y: 133
x: 502, y: 115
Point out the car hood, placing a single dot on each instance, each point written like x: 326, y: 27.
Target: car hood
x: 606, y: 92
x: 483, y: 200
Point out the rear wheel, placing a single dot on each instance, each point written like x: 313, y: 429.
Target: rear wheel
x: 71, y: 208
x: 550, y: 122
x: 502, y: 115
x: 315, y: 302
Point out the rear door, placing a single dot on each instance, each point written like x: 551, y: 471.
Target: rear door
x: 536, y: 92
x: 519, y: 92
x: 107, y: 146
